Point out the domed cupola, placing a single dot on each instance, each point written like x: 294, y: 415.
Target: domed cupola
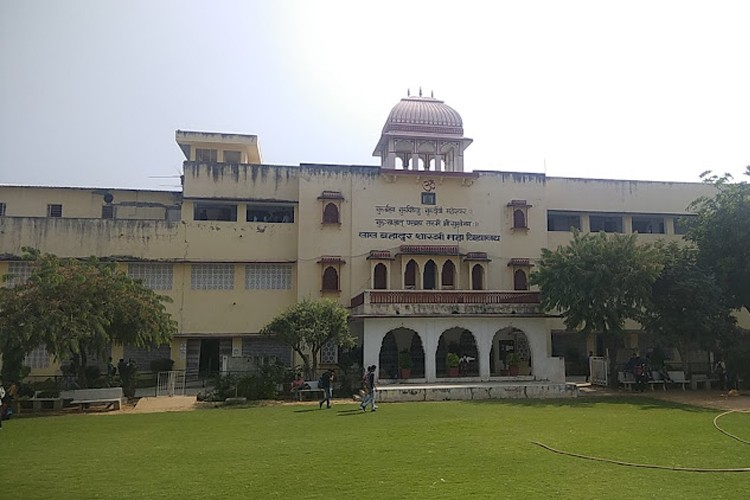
x: 422, y: 133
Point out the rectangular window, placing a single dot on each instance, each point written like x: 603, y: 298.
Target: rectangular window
x: 205, y: 155
x: 563, y: 221
x: 18, y: 273
x: 155, y: 276
x: 38, y: 358
x: 270, y: 213
x: 606, y: 223
x: 212, y: 277
x: 108, y: 212
x: 681, y: 224
x: 215, y: 211
x: 2, y: 209
x: 54, y: 210
x: 429, y: 199
x: 268, y: 277
x: 648, y: 225
x: 232, y: 157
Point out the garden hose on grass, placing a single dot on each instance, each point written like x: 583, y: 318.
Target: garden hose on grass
x: 653, y: 466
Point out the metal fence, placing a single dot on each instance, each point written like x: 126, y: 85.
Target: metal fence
x: 170, y: 384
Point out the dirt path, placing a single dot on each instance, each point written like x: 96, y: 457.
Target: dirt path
x: 718, y: 400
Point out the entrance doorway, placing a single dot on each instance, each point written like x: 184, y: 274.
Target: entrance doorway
x: 209, y: 358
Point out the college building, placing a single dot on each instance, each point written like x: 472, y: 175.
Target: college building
x: 429, y: 256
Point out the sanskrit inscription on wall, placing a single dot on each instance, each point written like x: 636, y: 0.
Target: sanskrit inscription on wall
x: 426, y: 223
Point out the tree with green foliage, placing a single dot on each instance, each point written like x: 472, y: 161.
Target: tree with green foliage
x: 687, y: 306
x: 721, y: 232
x: 308, y: 325
x: 597, y: 282
x: 78, y: 308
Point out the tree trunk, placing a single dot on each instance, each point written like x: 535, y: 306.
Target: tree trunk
x: 81, y: 368
x: 613, y: 345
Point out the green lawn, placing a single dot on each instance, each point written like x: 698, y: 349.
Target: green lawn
x: 416, y: 450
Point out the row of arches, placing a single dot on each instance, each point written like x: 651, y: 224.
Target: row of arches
x: 406, y: 343
x: 447, y: 277
x: 429, y: 277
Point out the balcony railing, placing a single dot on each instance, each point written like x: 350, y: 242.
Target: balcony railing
x: 444, y: 297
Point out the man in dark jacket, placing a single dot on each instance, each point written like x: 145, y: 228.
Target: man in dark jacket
x: 326, y: 383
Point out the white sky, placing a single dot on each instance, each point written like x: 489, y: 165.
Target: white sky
x: 91, y: 92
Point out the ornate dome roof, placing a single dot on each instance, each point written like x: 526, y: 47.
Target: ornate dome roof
x: 425, y: 115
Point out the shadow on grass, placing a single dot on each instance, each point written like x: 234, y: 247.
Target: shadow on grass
x: 644, y: 402
x: 350, y: 413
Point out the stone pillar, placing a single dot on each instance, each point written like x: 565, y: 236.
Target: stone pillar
x: 430, y: 344
x: 414, y: 161
x: 484, y: 346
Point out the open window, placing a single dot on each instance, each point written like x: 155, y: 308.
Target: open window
x: 269, y: 213
x: 215, y: 211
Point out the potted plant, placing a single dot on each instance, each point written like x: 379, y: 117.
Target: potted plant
x: 512, y: 362
x: 405, y: 364
x: 451, y: 362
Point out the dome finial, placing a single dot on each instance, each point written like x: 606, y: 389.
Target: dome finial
x: 408, y: 92
x: 420, y: 91
x: 432, y: 94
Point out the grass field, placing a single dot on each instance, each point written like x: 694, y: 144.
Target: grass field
x: 417, y: 450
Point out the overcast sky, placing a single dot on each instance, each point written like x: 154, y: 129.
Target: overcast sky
x: 91, y: 92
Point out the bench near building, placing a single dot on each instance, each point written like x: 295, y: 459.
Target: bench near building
x: 430, y: 256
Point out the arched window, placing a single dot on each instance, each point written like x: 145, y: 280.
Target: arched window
x: 330, y: 279
x: 380, y: 277
x: 429, y: 280
x: 477, y: 277
x: 519, y: 219
x: 410, y: 275
x: 447, y: 277
x: 519, y: 280
x: 331, y: 214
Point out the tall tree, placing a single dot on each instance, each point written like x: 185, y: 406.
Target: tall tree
x: 721, y: 231
x: 687, y: 306
x: 596, y: 283
x: 78, y: 308
x: 308, y: 325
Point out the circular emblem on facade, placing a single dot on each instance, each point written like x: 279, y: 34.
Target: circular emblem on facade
x: 428, y: 185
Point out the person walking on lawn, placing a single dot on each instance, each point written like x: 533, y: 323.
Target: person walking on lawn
x: 326, y: 383
x: 370, y: 388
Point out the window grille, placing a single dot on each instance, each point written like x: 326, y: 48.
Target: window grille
x: 153, y: 276
x: 54, y: 210
x: 212, y: 277
x: 18, y: 273
x: 268, y: 277
x: 2, y: 209
x: 38, y: 358
x: 329, y: 353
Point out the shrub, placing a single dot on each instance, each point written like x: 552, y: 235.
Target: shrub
x: 161, y: 365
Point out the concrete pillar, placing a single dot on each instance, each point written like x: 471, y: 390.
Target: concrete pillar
x: 371, y: 343
x: 414, y: 161
x: 390, y: 161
